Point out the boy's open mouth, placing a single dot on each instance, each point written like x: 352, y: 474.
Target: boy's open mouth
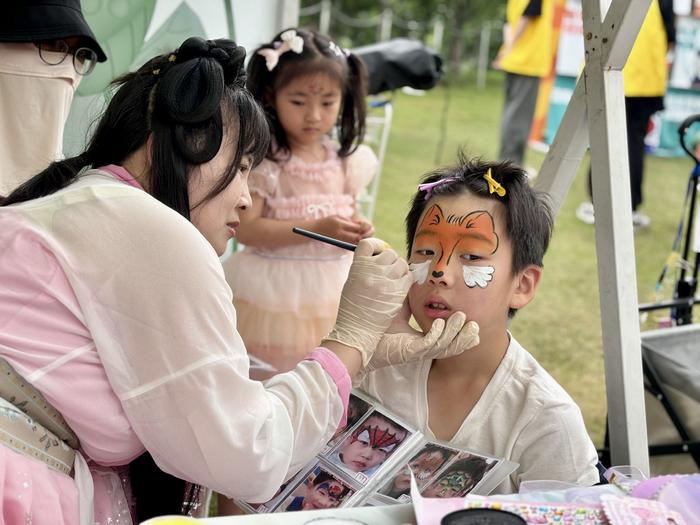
x: 435, y: 308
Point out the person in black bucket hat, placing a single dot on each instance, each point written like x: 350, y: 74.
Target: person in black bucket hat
x: 43, y: 20
x: 46, y: 47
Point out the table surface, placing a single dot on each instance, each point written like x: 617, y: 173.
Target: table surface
x: 388, y: 515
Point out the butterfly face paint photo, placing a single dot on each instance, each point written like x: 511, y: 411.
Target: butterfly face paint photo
x: 461, y: 260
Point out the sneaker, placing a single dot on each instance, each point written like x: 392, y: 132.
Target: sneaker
x: 585, y: 213
x: 640, y: 221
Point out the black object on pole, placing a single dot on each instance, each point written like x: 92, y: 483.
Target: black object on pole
x: 687, y: 284
x: 400, y: 62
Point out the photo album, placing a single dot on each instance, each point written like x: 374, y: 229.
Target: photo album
x: 369, y: 462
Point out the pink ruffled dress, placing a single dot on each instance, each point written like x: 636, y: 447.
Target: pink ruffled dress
x: 287, y: 298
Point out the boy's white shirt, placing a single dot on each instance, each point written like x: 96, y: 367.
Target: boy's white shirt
x: 523, y: 415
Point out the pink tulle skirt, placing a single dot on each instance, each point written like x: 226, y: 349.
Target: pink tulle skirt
x: 285, y: 306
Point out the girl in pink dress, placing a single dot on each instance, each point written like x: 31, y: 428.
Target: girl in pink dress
x: 287, y: 287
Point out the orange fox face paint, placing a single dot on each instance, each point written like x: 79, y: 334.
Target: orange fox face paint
x: 473, y: 234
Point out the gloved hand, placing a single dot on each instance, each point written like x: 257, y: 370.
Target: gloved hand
x: 374, y: 291
x: 401, y: 343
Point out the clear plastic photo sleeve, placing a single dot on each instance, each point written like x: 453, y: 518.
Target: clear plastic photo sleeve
x: 424, y: 463
x: 370, y: 445
x: 358, y: 406
x: 467, y: 473
x: 321, y: 487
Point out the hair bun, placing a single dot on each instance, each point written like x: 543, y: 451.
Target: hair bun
x: 226, y: 53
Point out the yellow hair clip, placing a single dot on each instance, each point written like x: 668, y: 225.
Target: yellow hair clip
x: 156, y: 71
x: 494, y: 185
x: 172, y: 58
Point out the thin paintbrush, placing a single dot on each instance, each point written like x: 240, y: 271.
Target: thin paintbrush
x: 330, y: 240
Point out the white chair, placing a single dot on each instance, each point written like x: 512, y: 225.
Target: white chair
x: 380, y: 114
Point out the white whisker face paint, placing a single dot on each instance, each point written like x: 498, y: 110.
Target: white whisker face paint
x: 420, y: 271
x: 477, y: 275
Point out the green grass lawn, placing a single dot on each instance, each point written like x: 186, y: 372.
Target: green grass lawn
x: 561, y: 327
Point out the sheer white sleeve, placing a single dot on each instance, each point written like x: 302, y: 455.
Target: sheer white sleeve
x: 155, y: 299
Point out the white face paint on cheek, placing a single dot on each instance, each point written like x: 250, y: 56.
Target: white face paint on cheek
x: 419, y: 271
x: 477, y: 275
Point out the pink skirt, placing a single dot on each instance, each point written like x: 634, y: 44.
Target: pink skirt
x: 32, y: 493
x: 284, y: 307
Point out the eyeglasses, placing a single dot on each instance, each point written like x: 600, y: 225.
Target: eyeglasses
x: 54, y: 52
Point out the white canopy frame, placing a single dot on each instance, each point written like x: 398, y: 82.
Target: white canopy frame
x: 597, y: 111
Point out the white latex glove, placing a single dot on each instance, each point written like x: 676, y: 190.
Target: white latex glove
x: 373, y: 293
x: 401, y: 343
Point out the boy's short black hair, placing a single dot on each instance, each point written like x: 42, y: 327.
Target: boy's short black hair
x: 528, y: 212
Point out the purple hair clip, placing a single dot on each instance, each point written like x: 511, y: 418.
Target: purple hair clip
x: 428, y: 187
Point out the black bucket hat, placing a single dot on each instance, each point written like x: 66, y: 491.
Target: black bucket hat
x: 36, y: 20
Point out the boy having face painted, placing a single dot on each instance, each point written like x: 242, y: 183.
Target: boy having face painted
x: 477, y: 233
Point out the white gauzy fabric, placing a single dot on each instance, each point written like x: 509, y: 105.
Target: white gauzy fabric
x: 153, y: 295
x: 34, y: 104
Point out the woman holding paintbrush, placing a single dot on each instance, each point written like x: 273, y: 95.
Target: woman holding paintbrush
x: 116, y: 324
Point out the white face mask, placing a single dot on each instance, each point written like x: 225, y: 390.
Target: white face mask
x: 34, y: 104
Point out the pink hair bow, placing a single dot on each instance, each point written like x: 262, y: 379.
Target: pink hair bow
x: 428, y: 187
x: 289, y: 41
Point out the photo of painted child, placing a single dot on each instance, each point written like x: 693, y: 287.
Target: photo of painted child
x: 321, y: 489
x: 357, y: 407
x: 369, y: 445
x: 459, y: 478
x: 424, y: 464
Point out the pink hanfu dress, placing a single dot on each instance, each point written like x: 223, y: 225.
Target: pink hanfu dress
x: 116, y: 309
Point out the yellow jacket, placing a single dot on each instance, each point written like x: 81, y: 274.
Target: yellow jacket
x: 533, y: 51
x: 645, y: 73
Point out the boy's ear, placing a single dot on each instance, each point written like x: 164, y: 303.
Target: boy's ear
x: 525, y: 286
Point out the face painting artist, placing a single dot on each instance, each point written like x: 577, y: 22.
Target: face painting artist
x: 114, y: 308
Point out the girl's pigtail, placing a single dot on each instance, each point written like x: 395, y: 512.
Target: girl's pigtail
x: 351, y: 128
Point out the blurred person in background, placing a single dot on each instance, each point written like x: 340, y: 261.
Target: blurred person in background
x: 46, y: 47
x: 645, y: 77
x: 526, y: 57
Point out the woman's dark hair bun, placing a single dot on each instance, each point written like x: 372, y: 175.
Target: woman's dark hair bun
x: 189, y: 93
x: 229, y: 56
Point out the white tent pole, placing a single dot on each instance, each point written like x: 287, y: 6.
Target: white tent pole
x: 288, y: 13
x: 598, y: 105
x: 617, y: 278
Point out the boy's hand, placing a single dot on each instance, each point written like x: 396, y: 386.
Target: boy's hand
x: 402, y: 344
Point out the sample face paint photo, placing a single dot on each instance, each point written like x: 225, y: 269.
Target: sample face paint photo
x: 459, y: 478
x: 423, y: 464
x: 369, y: 445
x: 320, y: 489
